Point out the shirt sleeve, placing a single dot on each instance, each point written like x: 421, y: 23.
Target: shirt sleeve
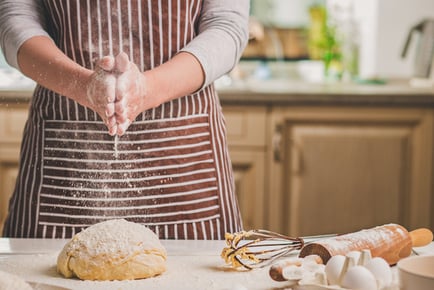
x: 222, y: 36
x: 20, y: 20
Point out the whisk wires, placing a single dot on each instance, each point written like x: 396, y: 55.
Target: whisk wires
x: 257, y: 248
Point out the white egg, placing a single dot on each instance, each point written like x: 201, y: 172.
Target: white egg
x: 333, y: 269
x: 359, y: 278
x: 381, y: 270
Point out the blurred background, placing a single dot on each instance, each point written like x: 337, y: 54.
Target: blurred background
x: 361, y: 40
x: 326, y: 40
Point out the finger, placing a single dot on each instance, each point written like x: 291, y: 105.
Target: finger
x: 110, y: 88
x: 119, y: 93
x: 112, y: 125
x: 122, y: 62
x: 122, y: 127
x: 120, y: 112
x: 111, y: 122
x: 122, y: 91
x: 110, y: 110
x: 113, y: 130
x: 107, y: 63
x: 121, y: 118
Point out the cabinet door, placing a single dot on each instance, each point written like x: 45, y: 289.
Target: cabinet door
x: 348, y: 170
x: 249, y: 175
x: 246, y: 129
x: 12, y: 120
x: 8, y: 174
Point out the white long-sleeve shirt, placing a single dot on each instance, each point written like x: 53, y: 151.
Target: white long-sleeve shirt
x: 222, y: 32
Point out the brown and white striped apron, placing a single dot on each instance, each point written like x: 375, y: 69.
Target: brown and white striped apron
x: 170, y: 171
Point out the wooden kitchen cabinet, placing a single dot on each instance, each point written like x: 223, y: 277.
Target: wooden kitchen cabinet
x: 337, y: 170
x: 12, y: 120
x: 246, y: 130
x: 307, y: 169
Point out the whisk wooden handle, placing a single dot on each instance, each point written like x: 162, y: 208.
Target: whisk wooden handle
x: 391, y: 242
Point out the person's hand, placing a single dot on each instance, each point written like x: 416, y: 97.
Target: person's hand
x: 101, y: 92
x: 131, y: 99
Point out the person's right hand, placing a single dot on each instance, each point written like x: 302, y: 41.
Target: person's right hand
x: 101, y: 92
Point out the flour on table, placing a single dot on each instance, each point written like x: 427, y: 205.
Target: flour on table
x: 12, y: 282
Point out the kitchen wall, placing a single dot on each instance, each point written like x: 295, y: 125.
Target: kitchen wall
x: 384, y: 25
x: 283, y: 13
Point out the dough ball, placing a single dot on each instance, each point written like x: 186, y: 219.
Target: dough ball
x: 12, y: 282
x: 113, y: 250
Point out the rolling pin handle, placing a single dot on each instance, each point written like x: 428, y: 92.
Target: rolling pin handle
x: 421, y: 237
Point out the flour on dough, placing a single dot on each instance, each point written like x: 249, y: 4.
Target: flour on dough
x: 113, y: 250
x: 12, y: 282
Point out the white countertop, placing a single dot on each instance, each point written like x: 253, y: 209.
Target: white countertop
x: 190, y: 265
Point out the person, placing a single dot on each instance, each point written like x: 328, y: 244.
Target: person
x: 124, y: 121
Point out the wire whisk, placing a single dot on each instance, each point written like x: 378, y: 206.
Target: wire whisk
x: 257, y: 248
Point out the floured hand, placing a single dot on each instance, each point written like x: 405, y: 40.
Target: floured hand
x: 131, y: 97
x: 101, y: 92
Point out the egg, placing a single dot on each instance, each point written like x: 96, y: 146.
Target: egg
x: 333, y: 269
x: 359, y: 278
x: 381, y: 270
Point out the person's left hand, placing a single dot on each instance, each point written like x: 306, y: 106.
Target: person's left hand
x: 131, y: 97
x: 100, y: 92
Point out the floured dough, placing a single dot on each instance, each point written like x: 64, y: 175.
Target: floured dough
x: 113, y: 250
x: 12, y: 282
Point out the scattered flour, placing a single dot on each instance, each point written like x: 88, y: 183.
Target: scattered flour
x: 12, y: 282
x: 116, y: 151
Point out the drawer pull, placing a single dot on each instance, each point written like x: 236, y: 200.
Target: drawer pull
x: 277, y: 143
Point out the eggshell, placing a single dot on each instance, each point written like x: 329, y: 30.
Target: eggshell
x: 333, y: 269
x: 292, y: 273
x: 359, y: 278
x: 381, y: 270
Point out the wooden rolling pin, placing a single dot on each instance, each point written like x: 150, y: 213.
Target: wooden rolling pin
x: 391, y: 242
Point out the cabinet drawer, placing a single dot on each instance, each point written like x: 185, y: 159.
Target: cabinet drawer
x: 245, y: 126
x: 12, y: 120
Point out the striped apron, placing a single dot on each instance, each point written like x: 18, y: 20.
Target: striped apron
x: 170, y: 171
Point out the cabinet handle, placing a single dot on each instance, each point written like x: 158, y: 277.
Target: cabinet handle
x: 277, y: 143
x: 296, y: 158
x: 296, y: 165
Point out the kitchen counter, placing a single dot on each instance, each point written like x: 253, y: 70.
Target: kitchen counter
x: 293, y: 92
x: 287, y: 92
x: 190, y: 265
